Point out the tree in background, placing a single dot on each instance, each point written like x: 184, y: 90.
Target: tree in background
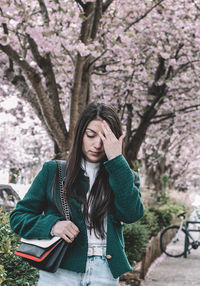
x: 48, y: 62
x: 153, y: 66
x: 142, y: 56
x: 172, y: 157
x: 24, y: 143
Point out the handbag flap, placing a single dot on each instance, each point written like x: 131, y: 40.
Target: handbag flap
x: 44, y: 243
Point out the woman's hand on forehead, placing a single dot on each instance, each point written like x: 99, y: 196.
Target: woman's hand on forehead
x: 112, y: 145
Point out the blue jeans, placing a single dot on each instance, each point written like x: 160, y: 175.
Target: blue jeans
x: 97, y: 274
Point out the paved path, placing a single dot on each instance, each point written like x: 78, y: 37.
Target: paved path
x: 168, y: 271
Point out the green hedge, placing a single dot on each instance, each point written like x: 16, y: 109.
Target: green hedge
x: 136, y: 237
x: 138, y: 234
x: 13, y: 271
x: 155, y: 219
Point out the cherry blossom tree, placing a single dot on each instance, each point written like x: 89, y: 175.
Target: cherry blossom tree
x: 24, y: 143
x: 141, y: 56
x: 155, y: 65
x: 174, y: 157
x: 44, y: 39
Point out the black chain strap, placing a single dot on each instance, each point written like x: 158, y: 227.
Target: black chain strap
x: 64, y: 201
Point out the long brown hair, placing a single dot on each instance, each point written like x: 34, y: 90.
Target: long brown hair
x: 101, y: 195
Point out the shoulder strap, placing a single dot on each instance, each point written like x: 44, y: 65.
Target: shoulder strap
x: 61, y: 176
x: 63, y: 168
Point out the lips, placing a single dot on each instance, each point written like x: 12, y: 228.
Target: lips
x: 95, y: 153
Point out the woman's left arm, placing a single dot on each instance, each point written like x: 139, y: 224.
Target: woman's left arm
x: 128, y: 205
x: 125, y: 186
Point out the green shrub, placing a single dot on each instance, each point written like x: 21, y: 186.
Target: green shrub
x: 173, y: 208
x: 156, y: 218
x: 162, y: 218
x: 136, y: 237
x: 13, y: 271
x: 138, y: 234
x: 150, y: 221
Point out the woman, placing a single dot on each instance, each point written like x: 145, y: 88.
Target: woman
x: 103, y: 195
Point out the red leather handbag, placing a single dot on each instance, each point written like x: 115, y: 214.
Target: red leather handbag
x: 47, y: 254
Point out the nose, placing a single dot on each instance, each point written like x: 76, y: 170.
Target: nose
x: 98, y: 142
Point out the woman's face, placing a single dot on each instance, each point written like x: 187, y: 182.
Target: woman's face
x: 92, y: 145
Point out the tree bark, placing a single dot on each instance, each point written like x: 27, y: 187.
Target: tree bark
x: 135, y: 143
x: 43, y: 101
x: 81, y: 91
x: 157, y: 92
x: 75, y: 95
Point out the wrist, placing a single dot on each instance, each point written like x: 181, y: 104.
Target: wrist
x: 110, y: 157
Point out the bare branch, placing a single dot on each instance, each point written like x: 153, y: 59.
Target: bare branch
x: 45, y: 106
x: 170, y: 70
x: 87, y: 23
x: 143, y: 16
x: 19, y: 81
x: 106, y: 73
x: 47, y: 68
x: 185, y: 65
x: 97, y: 58
x: 187, y: 108
x: 106, y: 5
x: 81, y: 4
x: 164, y: 117
x: 97, y: 17
x: 34, y: 49
x: 168, y: 116
x: 5, y: 28
x: 198, y: 7
x: 44, y: 12
x: 129, y: 107
x: 160, y: 71
x: 69, y: 54
x: 178, y: 50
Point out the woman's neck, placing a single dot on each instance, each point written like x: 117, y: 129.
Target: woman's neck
x: 89, y: 165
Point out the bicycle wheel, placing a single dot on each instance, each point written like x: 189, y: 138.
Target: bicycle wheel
x: 172, y: 241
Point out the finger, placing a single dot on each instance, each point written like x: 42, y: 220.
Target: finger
x: 71, y: 226
x: 69, y: 236
x: 75, y: 228
x: 71, y: 233
x: 106, y: 125
x: 101, y: 136
x: 106, y: 128
x: 121, y: 138
x: 107, y: 131
x: 66, y: 238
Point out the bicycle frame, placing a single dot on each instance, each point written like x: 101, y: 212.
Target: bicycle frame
x: 176, y: 237
x: 195, y: 242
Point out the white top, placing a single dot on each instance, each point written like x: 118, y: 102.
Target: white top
x: 91, y: 170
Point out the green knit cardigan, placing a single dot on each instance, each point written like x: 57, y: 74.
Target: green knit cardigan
x: 37, y: 212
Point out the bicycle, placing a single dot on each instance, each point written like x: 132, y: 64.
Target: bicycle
x: 177, y: 241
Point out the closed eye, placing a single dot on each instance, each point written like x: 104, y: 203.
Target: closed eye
x: 90, y: 133
x: 90, y: 136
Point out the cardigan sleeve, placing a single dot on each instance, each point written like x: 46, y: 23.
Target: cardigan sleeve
x: 30, y: 218
x: 125, y: 185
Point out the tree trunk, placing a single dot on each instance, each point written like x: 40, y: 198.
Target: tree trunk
x: 81, y: 91
x: 157, y: 93
x: 133, y: 146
